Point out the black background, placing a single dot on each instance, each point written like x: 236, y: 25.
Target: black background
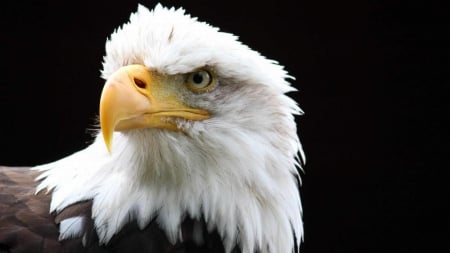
x: 367, y: 187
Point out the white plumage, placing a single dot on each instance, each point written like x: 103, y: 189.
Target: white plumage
x: 237, y: 169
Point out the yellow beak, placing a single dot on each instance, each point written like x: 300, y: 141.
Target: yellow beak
x: 133, y: 97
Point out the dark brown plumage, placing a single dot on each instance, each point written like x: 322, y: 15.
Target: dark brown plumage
x: 26, y: 225
x: 25, y: 222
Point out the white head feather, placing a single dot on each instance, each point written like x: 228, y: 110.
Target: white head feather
x: 236, y: 169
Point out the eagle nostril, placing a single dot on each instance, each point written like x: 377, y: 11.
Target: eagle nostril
x: 139, y: 83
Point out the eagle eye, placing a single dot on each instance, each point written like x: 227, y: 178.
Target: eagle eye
x: 200, y: 81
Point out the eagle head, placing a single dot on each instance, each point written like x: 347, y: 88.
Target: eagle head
x: 193, y: 124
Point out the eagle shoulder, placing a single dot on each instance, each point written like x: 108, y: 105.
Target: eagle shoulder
x: 27, y: 226
x: 25, y: 222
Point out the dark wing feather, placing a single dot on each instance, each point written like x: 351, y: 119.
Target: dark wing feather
x: 151, y: 239
x: 25, y: 223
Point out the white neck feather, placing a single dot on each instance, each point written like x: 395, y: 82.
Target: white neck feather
x: 247, y: 192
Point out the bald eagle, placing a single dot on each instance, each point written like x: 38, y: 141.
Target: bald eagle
x: 197, y: 152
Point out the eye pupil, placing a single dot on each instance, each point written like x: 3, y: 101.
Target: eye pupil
x: 197, y: 78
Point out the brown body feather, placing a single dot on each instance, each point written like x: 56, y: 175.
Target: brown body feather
x: 25, y: 222
x: 26, y: 226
